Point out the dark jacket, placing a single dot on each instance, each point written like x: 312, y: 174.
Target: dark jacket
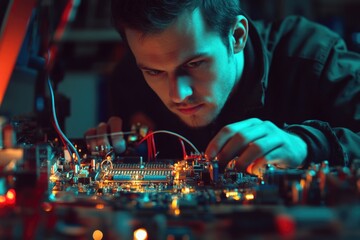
x: 298, y: 74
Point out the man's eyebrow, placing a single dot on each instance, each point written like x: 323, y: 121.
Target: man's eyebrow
x: 189, y: 59
x: 195, y: 56
x: 142, y: 66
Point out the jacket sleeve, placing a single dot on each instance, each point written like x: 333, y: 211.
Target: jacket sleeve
x: 339, y: 91
x: 340, y: 146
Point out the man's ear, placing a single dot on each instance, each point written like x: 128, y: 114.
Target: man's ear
x: 239, y: 33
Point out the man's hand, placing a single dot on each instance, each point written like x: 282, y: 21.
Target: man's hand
x: 98, y: 138
x: 253, y: 143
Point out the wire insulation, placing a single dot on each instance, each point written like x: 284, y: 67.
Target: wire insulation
x: 57, y: 127
x: 174, y: 134
x: 109, y: 134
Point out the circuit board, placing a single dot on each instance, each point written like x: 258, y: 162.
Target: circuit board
x: 118, y: 197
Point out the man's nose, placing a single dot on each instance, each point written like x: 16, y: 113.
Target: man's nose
x: 180, y: 88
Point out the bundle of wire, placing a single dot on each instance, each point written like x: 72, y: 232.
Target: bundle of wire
x: 66, y: 142
x: 152, y: 147
x: 67, y: 15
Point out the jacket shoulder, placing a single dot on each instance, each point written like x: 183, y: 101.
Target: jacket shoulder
x: 296, y: 36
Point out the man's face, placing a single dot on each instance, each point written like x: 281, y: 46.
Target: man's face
x: 188, y: 67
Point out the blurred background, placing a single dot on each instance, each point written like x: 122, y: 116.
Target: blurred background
x: 85, y: 50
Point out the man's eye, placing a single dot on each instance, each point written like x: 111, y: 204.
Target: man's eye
x: 152, y: 72
x: 194, y: 64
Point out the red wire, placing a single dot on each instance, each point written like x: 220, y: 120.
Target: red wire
x: 146, y: 137
x: 152, y: 146
x: 149, y: 142
x: 149, y: 149
x: 62, y: 140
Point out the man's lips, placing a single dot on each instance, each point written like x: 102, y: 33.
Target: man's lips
x: 190, y: 110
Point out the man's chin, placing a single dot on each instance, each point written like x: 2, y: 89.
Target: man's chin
x: 196, y: 121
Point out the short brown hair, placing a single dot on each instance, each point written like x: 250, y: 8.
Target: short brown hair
x: 152, y: 16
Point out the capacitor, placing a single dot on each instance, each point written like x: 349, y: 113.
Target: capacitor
x: 76, y: 169
x: 93, y: 164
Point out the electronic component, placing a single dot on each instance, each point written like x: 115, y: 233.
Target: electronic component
x: 182, y: 198
x: 142, y: 173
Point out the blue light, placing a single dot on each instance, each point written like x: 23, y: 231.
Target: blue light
x: 356, y: 37
x: 40, y: 104
x: 2, y: 187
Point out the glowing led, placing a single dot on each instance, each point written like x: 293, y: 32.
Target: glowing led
x: 99, y: 206
x: 47, y: 207
x: 177, y: 212
x: 10, y: 196
x: 186, y: 190
x: 174, y: 203
x: 233, y: 195
x: 140, y: 234
x: 302, y: 183
x: 97, y: 235
x: 2, y: 199
x: 249, y: 196
x: 237, y: 198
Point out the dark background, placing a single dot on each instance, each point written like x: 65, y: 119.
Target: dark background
x: 84, y: 49
x: 90, y: 49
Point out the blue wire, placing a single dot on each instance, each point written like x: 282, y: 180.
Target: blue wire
x: 58, y: 127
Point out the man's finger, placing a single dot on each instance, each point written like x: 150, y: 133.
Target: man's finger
x: 118, y: 141
x: 102, y: 131
x: 225, y: 134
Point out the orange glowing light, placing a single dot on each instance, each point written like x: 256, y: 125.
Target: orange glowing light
x: 47, y: 207
x: 302, y: 183
x: 249, y: 196
x: 10, y: 196
x: 97, y: 235
x: 174, y: 203
x: 177, y: 212
x: 140, y: 234
x: 99, y: 206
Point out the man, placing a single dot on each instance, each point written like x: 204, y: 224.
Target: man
x: 285, y: 93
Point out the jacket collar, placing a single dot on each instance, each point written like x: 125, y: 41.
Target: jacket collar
x: 252, y: 86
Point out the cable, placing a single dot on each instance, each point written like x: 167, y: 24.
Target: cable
x: 62, y: 139
x: 57, y: 127
x: 171, y: 133
x: 149, y: 150
x: 109, y: 134
x: 153, y: 145
x: 183, y: 148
